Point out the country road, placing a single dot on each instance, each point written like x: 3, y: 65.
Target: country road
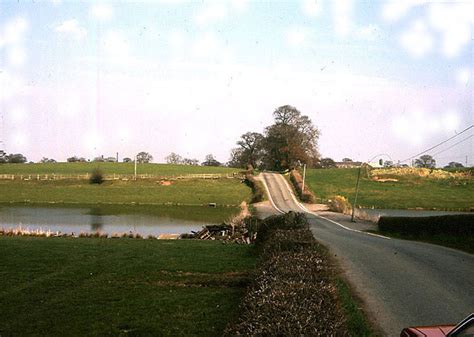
x: 402, y: 283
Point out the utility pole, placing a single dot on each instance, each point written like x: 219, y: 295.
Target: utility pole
x: 135, y: 167
x: 304, y: 176
x: 356, y: 194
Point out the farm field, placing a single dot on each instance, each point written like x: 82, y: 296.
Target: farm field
x: 186, y: 192
x: 164, y: 170
x: 120, y: 286
x: 410, y: 191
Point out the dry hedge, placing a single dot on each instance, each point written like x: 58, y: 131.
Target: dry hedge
x: 258, y: 191
x: 297, y: 181
x: 294, y: 292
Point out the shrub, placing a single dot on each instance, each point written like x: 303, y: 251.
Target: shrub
x: 96, y: 177
x: 258, y: 191
x: 457, y: 225
x: 305, y: 195
x: 294, y: 292
x: 340, y: 204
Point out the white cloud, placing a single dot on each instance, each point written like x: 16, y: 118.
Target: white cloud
x: 17, y: 113
x: 206, y: 45
x: 369, y: 32
x: 296, y: 36
x: 176, y: 39
x: 72, y: 28
x: 417, y: 40
x: 14, y: 31
x: 240, y: 5
x: 312, y: 7
x: 415, y: 127
x: 16, y: 56
x: 343, y: 24
x: 454, y: 21
x: 116, y: 46
x: 102, y: 12
x: 463, y: 76
x: 211, y: 13
x: 394, y: 10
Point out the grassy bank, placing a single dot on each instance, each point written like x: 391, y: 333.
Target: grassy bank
x: 112, y: 168
x: 221, y: 191
x: 91, y: 287
x: 408, y: 191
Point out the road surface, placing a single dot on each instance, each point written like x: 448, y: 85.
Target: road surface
x: 402, y: 283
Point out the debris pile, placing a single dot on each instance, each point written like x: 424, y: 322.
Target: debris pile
x: 226, y: 232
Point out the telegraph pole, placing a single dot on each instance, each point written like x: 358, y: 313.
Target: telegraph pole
x: 135, y: 167
x: 304, y: 176
x: 357, y: 193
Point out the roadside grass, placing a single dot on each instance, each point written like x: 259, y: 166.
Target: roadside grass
x: 408, y: 192
x: 464, y: 243
x: 86, y: 287
x: 186, y: 192
x: 357, y: 323
x: 165, y: 170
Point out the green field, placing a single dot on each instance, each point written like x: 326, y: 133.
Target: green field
x: 407, y: 192
x: 188, y: 192
x: 164, y: 170
x: 90, y: 287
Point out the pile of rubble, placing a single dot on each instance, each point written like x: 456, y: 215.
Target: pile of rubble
x: 225, y: 232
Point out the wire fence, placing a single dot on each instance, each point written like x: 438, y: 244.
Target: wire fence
x: 124, y: 177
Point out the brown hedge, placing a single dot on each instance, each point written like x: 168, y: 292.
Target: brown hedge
x: 458, y: 225
x: 297, y: 181
x: 294, y: 292
x: 258, y: 191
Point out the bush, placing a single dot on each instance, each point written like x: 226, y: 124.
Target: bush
x: 96, y: 177
x: 297, y: 181
x: 340, y: 204
x: 258, y: 191
x: 294, y: 292
x: 457, y: 225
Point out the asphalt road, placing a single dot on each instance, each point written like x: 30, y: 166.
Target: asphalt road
x: 402, y: 283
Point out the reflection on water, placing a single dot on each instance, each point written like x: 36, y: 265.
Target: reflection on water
x: 87, y: 220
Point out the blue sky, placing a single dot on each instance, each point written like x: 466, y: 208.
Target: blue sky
x: 96, y: 77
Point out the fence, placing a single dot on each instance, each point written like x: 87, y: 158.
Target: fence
x: 27, y: 177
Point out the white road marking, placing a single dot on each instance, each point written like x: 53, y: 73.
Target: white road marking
x: 322, y: 217
x: 269, y: 195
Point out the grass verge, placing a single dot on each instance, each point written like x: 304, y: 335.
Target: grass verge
x: 119, y: 286
x: 357, y: 324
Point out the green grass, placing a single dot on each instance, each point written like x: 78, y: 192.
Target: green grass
x: 221, y: 191
x: 111, y: 168
x: 357, y: 323
x: 408, y: 192
x: 89, y: 287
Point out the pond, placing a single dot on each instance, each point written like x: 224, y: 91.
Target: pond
x: 67, y: 220
x: 374, y: 214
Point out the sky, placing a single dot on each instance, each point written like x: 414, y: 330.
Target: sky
x: 95, y: 78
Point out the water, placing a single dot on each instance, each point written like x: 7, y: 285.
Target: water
x: 374, y: 214
x: 86, y: 220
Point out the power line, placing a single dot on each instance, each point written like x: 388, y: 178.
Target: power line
x: 453, y: 145
x: 439, y: 144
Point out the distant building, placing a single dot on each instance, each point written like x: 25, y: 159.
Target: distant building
x: 348, y: 164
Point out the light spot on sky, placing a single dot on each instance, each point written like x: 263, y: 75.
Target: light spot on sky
x: 20, y: 140
x: 116, y: 46
x: 72, y: 28
x: 369, y: 33
x: 17, y: 113
x: 93, y: 142
x: 211, y: 13
x: 102, y: 11
x: 16, y: 56
x: 296, y: 36
x: 343, y: 17
x: 14, y: 31
x: 394, y: 10
x: 417, y: 40
x: 463, y: 76
x: 312, y: 8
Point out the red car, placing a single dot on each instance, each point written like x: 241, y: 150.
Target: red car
x: 463, y: 329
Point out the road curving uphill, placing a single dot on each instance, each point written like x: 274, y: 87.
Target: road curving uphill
x: 402, y: 283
